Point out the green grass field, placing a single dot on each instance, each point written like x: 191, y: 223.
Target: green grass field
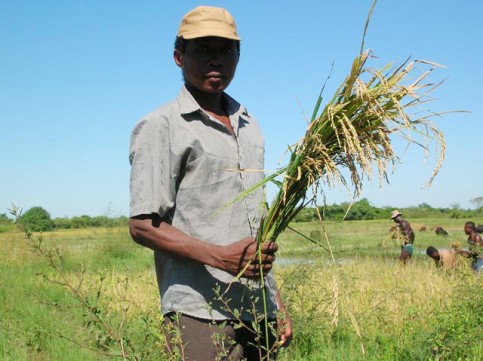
x: 359, y: 304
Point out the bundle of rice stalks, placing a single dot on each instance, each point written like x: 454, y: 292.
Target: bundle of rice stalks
x: 353, y: 132
x: 456, y: 245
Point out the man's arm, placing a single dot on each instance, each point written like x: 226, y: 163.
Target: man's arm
x: 478, y: 240
x: 466, y: 253
x: 150, y: 231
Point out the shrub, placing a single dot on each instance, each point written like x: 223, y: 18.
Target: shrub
x: 37, y: 219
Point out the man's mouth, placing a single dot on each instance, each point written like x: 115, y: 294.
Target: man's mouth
x: 214, y: 75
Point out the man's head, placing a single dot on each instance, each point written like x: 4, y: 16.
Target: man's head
x: 433, y: 253
x: 207, y: 48
x: 396, y: 216
x: 470, y: 227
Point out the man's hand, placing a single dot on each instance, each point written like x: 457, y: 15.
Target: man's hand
x: 285, y: 332
x: 243, y: 258
x: 284, y: 324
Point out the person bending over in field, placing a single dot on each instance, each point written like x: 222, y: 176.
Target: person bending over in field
x: 405, y: 235
x: 475, y: 247
x: 444, y: 258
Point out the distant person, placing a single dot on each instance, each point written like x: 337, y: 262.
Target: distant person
x: 475, y: 247
x: 405, y: 235
x: 444, y: 258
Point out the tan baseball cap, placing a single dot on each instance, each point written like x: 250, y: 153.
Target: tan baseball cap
x: 208, y: 21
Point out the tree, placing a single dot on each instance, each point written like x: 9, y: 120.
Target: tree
x: 37, y: 219
x: 455, y: 206
x: 83, y: 221
x: 4, y: 219
x: 362, y: 210
x: 306, y: 215
x: 477, y: 202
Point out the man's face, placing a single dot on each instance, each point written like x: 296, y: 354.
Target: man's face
x: 208, y: 63
x: 468, y: 229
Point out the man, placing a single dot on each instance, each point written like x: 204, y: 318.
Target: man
x: 444, y: 258
x: 405, y: 235
x: 188, y: 160
x: 475, y: 245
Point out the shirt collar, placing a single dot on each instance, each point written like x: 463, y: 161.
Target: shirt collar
x: 188, y: 104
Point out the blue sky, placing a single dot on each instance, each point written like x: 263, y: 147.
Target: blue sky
x: 77, y: 75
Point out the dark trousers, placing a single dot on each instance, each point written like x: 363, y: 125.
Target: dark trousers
x: 205, y: 340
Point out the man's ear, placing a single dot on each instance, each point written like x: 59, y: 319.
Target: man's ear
x: 178, y: 58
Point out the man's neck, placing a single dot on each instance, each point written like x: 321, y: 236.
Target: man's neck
x: 211, y: 102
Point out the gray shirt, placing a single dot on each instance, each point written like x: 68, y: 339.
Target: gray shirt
x: 188, y: 168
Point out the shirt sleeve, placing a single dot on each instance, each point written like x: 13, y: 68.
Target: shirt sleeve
x: 153, y: 168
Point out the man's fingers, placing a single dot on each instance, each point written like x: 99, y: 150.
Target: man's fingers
x: 255, y: 268
x: 270, y: 247
x: 266, y: 258
x: 259, y: 262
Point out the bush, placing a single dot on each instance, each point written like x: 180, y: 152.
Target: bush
x: 4, y: 219
x: 37, y: 219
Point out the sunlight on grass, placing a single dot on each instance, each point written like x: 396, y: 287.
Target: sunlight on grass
x: 364, y: 306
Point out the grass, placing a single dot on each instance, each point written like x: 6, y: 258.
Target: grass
x: 365, y: 306
x: 363, y: 238
x: 374, y: 309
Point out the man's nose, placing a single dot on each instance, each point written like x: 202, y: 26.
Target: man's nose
x: 215, y: 58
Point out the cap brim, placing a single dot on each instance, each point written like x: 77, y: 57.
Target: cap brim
x: 198, y: 34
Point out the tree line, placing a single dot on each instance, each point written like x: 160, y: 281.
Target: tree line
x: 364, y: 210
x: 37, y: 219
